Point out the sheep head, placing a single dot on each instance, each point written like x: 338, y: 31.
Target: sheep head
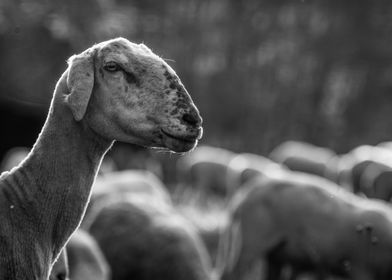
x: 125, y: 92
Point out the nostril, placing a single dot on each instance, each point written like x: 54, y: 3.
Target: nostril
x: 192, y: 119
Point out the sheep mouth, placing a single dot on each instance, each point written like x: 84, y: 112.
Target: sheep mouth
x: 179, y: 143
x: 183, y: 138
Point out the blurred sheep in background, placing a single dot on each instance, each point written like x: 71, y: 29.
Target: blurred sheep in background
x: 246, y: 166
x: 351, y: 167
x: 142, y: 239
x: 303, y: 157
x: 121, y: 183
x: 204, y: 170
x: 305, y: 223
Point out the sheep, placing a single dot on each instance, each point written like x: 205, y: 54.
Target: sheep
x: 310, y: 224
x: 85, y: 259
x: 115, y: 90
x: 145, y: 240
x: 246, y: 166
x: 304, y: 157
x: 352, y: 166
x: 376, y: 181
x: 141, y: 182
x: 205, y: 170
x: 120, y: 183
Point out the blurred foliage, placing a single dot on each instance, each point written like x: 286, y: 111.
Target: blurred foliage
x: 260, y: 71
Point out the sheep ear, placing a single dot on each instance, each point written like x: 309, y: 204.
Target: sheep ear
x: 80, y: 82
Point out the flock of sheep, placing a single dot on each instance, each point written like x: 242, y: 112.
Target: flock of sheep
x: 304, y: 212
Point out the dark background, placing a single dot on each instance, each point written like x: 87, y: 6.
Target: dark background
x: 261, y: 72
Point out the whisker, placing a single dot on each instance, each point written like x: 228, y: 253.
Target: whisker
x: 168, y: 59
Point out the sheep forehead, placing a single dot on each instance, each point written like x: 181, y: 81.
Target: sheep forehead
x: 126, y: 52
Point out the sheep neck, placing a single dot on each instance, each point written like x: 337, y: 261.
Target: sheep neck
x: 69, y: 154
x: 49, y: 191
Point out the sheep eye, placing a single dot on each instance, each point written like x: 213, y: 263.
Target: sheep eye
x: 112, y: 67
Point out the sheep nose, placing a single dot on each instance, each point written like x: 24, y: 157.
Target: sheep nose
x: 193, y: 118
